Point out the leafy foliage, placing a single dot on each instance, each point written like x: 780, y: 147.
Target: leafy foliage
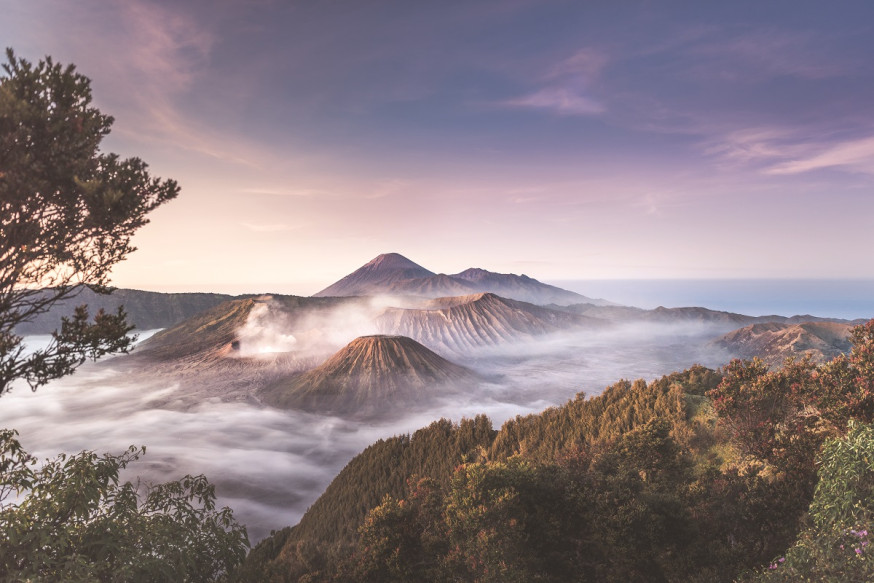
x: 617, y: 410
x: 844, y: 387
x: 329, y: 529
x: 836, y: 546
x: 71, y: 520
x: 768, y: 415
x: 518, y: 521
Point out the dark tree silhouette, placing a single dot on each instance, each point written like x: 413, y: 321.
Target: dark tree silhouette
x: 67, y: 215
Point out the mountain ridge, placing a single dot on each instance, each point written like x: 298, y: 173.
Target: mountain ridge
x: 773, y: 342
x: 394, y: 274
x: 146, y: 310
x: 730, y: 320
x: 464, y: 323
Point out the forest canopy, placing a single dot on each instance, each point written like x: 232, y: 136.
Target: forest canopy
x: 746, y: 473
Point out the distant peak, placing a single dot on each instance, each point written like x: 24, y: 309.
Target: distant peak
x: 376, y: 276
x: 476, y: 274
x: 475, y: 271
x: 392, y: 261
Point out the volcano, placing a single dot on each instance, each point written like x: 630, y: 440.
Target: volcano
x: 370, y: 377
x: 394, y: 274
x: 460, y: 324
x: 380, y: 275
x: 216, y: 331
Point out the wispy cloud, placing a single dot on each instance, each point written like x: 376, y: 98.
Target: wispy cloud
x: 756, y: 145
x: 559, y: 100
x: 147, y: 60
x: 525, y: 199
x: 158, y: 56
x: 566, y: 87
x: 780, y: 151
x: 753, y: 94
x: 586, y: 63
x: 166, y: 46
x: 855, y: 156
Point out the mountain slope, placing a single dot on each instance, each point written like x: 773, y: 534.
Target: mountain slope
x: 522, y: 288
x: 235, y: 349
x: 216, y: 329
x: 438, y: 450
x: 376, y: 276
x: 208, y: 331
x: 773, y: 342
x: 435, y: 286
x: 461, y: 324
x: 371, y: 375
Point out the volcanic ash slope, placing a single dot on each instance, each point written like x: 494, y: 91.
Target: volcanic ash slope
x: 372, y: 376
x: 464, y: 324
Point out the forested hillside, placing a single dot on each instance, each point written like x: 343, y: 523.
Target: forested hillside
x: 701, y: 475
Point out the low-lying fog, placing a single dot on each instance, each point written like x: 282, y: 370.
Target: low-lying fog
x: 270, y: 465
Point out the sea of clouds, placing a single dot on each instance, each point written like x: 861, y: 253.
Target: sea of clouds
x: 270, y: 465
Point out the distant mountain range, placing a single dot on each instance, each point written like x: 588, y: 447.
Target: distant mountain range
x: 458, y: 325
x: 717, y: 318
x: 146, y: 310
x: 402, y: 359
x: 394, y: 274
x: 231, y: 341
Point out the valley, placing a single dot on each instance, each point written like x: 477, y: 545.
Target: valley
x: 271, y: 396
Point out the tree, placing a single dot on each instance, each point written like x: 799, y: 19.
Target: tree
x: 67, y: 214
x: 836, y: 546
x: 768, y: 415
x: 402, y: 540
x: 75, y: 522
x: 844, y: 386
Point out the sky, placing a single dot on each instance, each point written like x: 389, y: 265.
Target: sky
x: 560, y: 139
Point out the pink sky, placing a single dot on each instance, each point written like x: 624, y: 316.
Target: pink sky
x: 562, y: 140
